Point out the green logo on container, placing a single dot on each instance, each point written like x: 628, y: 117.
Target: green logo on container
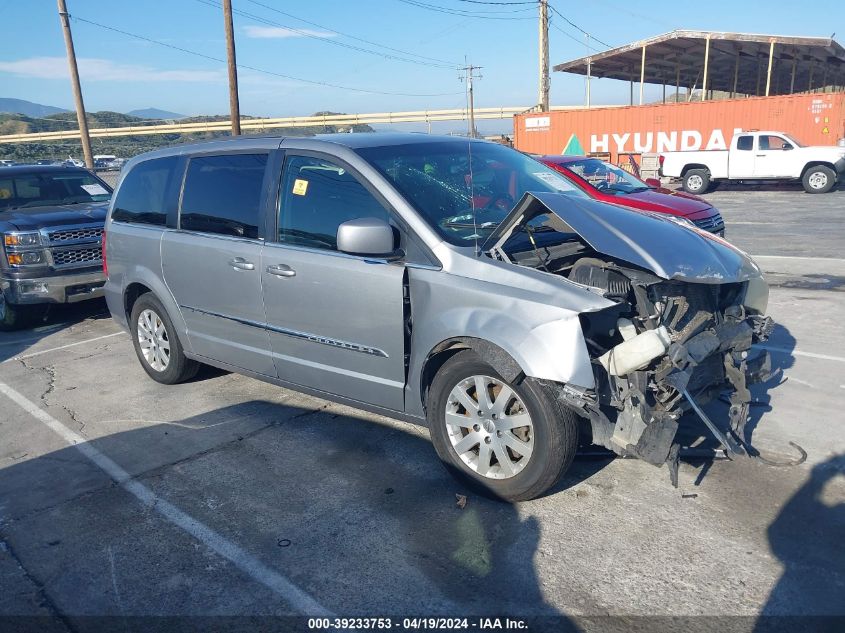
x: 573, y: 147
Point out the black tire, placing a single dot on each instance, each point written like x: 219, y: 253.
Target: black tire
x: 179, y: 367
x: 554, y: 428
x: 818, y: 179
x: 696, y: 181
x: 17, y: 316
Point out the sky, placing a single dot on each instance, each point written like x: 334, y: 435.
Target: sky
x: 418, y: 50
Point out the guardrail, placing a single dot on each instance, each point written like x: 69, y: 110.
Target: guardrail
x: 420, y: 116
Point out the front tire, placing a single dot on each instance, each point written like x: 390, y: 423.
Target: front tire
x: 157, y: 344
x: 509, y: 441
x: 696, y: 181
x: 16, y: 316
x: 818, y: 179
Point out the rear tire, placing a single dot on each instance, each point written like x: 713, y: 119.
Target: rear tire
x: 696, y: 181
x: 549, y: 435
x: 157, y: 344
x: 818, y: 179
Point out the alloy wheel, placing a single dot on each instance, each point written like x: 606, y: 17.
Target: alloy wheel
x: 695, y: 182
x: 818, y: 180
x: 153, y: 340
x: 489, y: 427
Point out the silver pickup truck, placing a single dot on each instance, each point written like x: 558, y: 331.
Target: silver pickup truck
x: 447, y: 281
x: 51, y: 222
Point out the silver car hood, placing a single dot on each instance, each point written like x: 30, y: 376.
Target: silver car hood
x: 658, y: 243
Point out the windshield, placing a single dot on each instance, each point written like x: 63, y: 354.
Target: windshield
x: 40, y: 189
x: 463, y: 188
x: 605, y: 177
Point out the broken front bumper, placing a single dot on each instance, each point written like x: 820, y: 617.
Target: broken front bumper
x: 648, y: 403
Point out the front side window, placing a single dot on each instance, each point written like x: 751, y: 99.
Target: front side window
x: 606, y: 177
x: 60, y: 187
x: 222, y: 194
x: 142, y: 194
x: 745, y: 143
x: 463, y: 188
x: 316, y: 197
x: 772, y: 143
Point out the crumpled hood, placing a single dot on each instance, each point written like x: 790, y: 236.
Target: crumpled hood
x: 34, y: 218
x: 655, y: 242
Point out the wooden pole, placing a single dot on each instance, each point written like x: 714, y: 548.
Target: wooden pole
x: 77, y: 88
x: 769, y: 72
x: 706, y: 62
x: 544, y: 55
x: 234, y: 105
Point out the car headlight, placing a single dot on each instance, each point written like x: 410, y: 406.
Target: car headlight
x: 26, y: 258
x: 22, y: 239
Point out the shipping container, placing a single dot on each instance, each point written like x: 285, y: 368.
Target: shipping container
x: 812, y: 119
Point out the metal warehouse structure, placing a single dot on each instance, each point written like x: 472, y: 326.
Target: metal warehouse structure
x: 734, y: 63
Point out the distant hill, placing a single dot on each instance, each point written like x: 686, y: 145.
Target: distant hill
x: 19, y: 106
x: 155, y: 113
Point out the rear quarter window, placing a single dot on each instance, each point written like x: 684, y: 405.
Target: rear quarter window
x: 141, y: 198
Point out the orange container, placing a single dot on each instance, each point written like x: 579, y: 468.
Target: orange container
x: 813, y: 119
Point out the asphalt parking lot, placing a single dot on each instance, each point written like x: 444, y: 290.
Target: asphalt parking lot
x: 226, y: 496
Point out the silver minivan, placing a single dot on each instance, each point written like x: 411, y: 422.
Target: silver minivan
x: 441, y: 280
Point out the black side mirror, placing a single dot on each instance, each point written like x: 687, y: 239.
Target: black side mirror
x: 786, y: 146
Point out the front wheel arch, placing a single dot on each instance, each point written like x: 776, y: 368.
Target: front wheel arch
x: 492, y: 354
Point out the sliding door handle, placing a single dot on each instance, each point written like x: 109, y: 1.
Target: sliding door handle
x: 281, y: 270
x: 239, y: 263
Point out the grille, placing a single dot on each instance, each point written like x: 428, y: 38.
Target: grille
x: 77, y: 257
x: 81, y: 234
x: 713, y: 224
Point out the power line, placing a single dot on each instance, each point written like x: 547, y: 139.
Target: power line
x: 464, y: 13
x: 259, y: 70
x: 575, y: 26
x: 352, y: 37
x: 324, y: 40
x: 498, y: 4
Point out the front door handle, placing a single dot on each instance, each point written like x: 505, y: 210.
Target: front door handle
x: 281, y: 270
x: 239, y: 263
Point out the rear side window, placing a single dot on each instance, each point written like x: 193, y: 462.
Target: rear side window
x: 745, y: 143
x: 141, y: 197
x: 223, y: 193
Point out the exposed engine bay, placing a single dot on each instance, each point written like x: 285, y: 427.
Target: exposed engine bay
x: 667, y: 345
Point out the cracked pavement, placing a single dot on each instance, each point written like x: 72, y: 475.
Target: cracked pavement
x: 356, y: 511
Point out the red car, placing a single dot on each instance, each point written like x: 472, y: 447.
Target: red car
x: 609, y: 183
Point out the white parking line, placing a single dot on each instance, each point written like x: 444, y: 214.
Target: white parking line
x: 300, y: 601
x: 795, y: 352
x: 61, y: 347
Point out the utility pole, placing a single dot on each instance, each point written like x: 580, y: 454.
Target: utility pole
x: 544, y: 56
x: 469, y: 76
x: 77, y: 89
x: 234, y: 106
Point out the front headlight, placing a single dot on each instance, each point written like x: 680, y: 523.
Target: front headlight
x: 22, y: 239
x: 26, y: 258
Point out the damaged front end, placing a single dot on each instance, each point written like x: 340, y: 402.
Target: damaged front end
x: 687, y: 308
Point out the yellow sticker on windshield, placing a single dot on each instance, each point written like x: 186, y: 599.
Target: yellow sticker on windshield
x: 300, y: 187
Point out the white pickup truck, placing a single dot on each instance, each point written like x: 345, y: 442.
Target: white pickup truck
x: 757, y: 156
